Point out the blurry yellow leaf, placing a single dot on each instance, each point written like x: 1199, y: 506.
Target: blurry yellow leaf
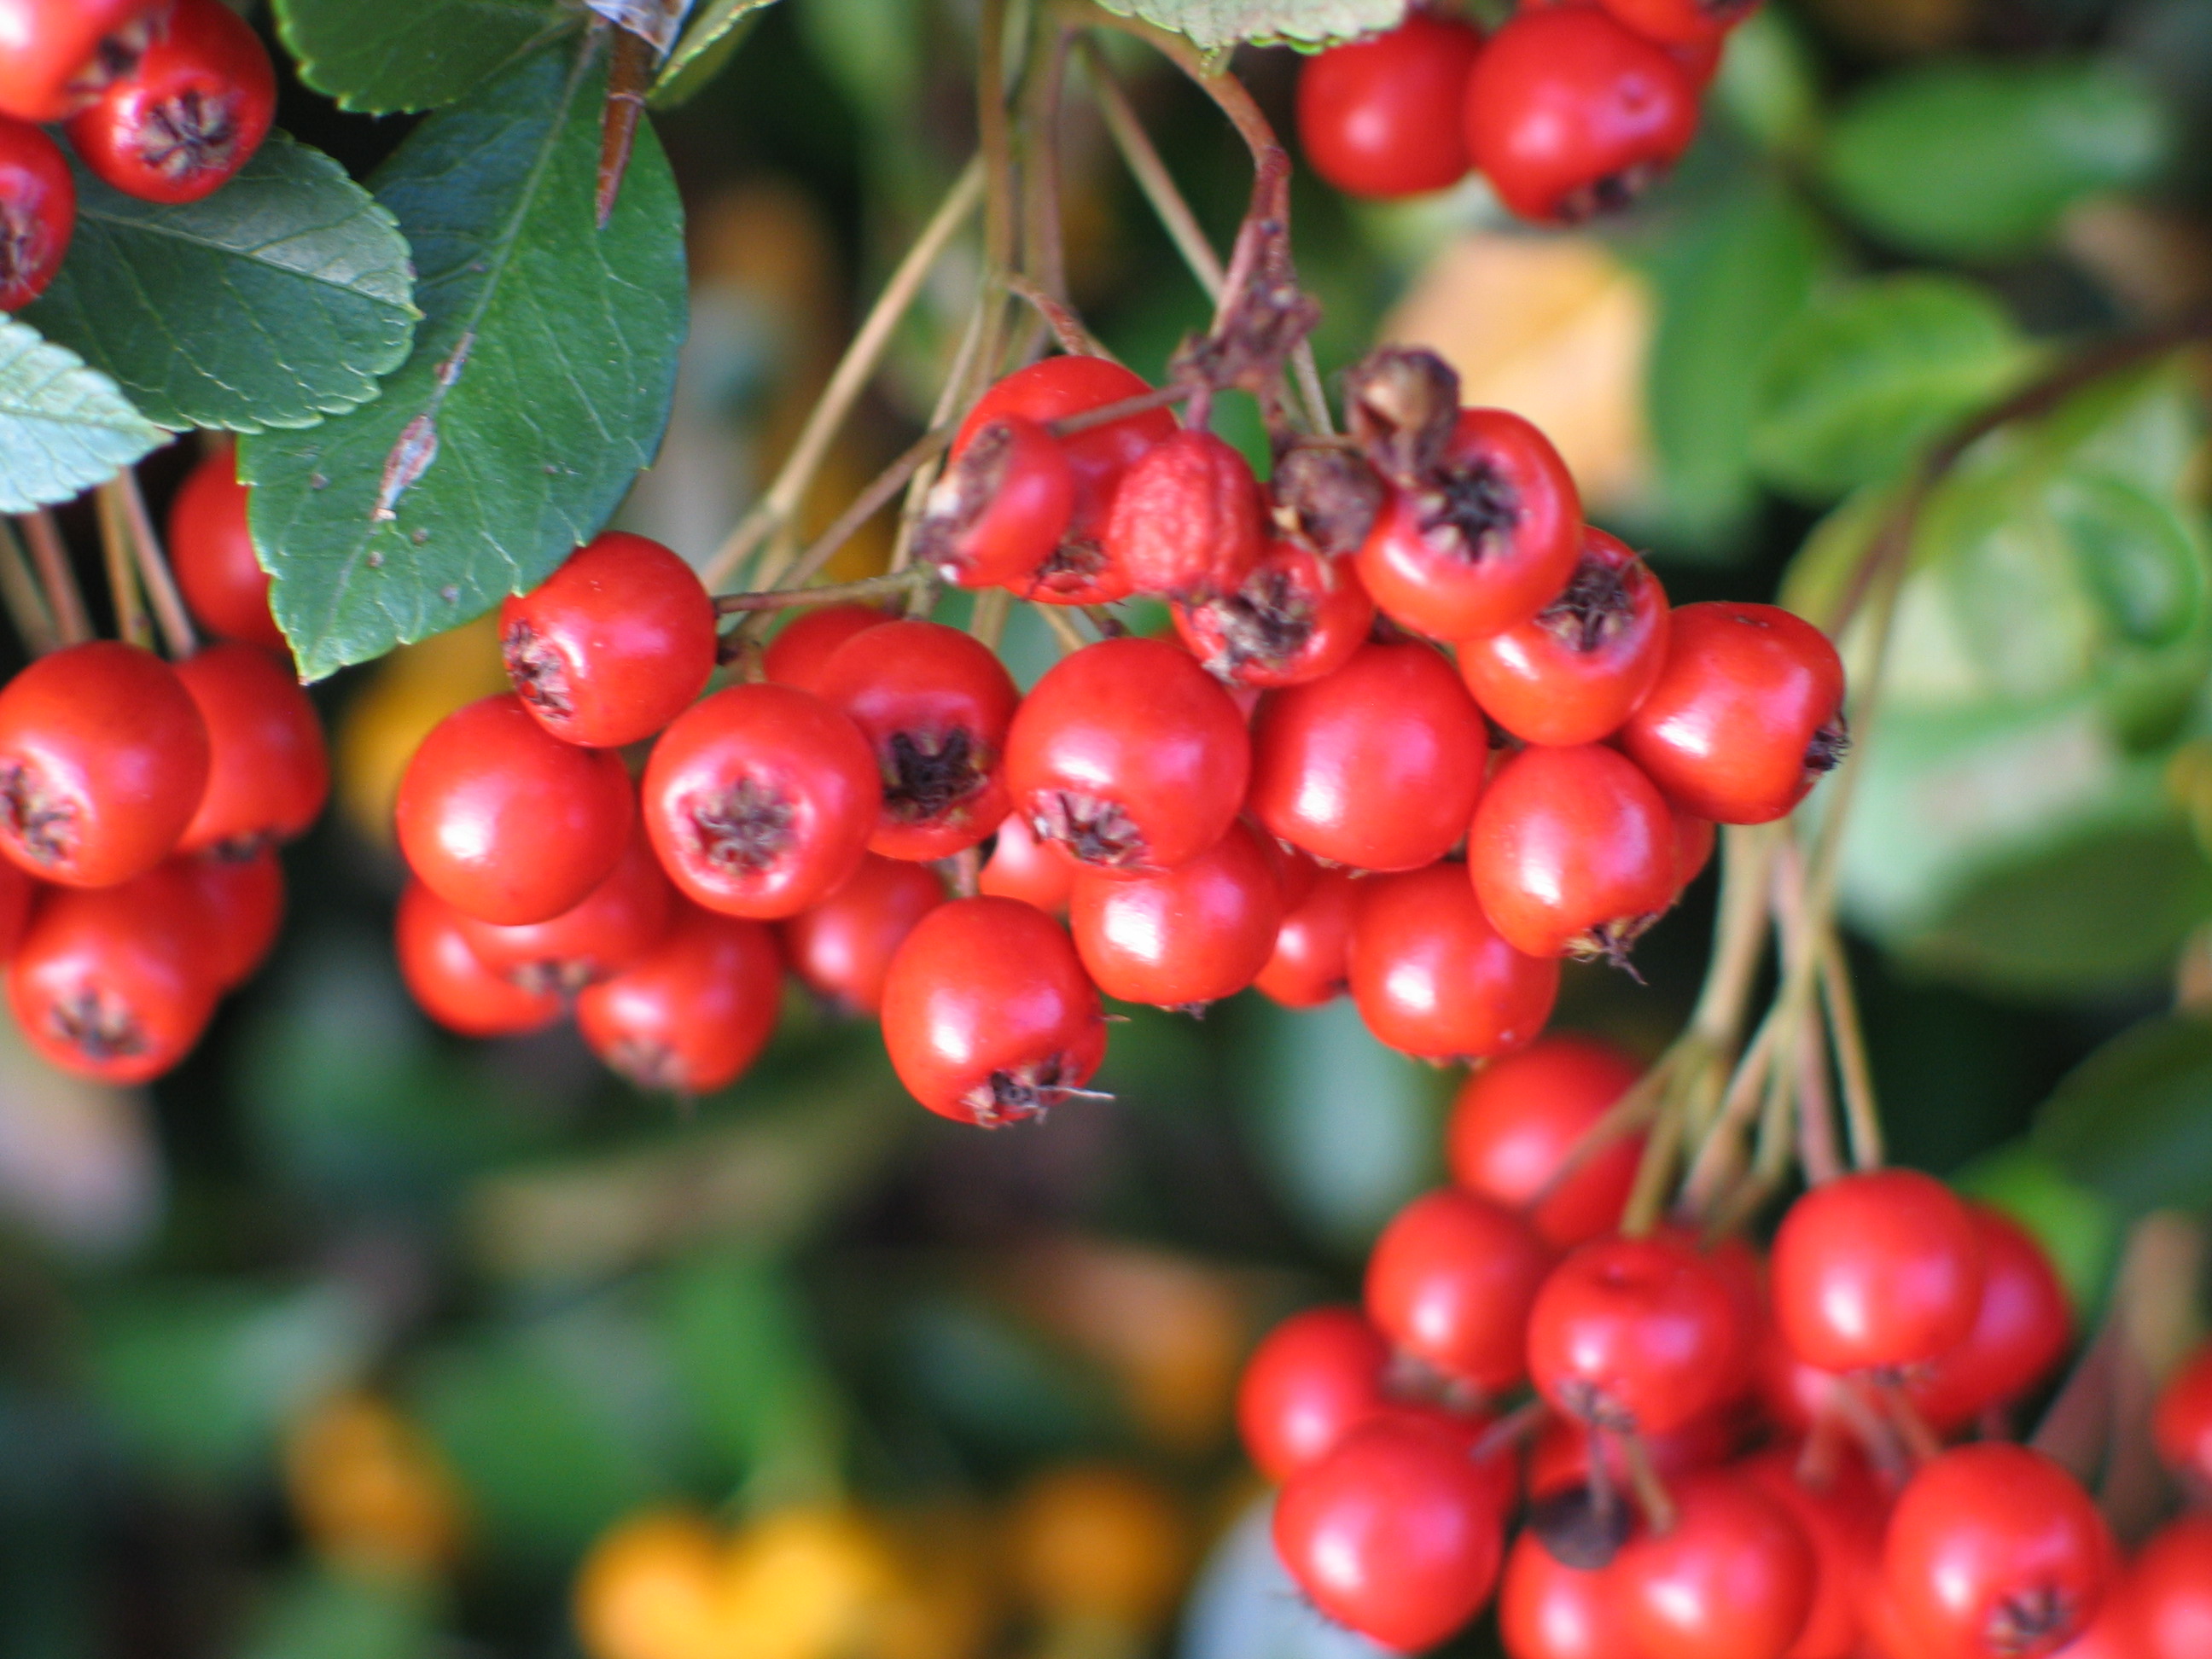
x: 808, y: 1584
x: 370, y: 1491
x: 1098, y: 1542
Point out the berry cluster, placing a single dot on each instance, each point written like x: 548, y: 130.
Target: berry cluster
x: 1571, y: 108
x: 164, y: 100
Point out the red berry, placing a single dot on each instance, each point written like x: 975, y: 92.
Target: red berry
x: 1023, y: 867
x: 1316, y: 1377
x: 1483, y: 539
x: 1994, y: 1550
x: 934, y: 705
x: 613, y: 645
x: 692, y: 1013
x: 507, y: 822
x: 1875, y: 1271
x: 2169, y: 1598
x: 1128, y: 756
x: 1307, y: 967
x: 1577, y: 669
x: 1515, y: 1120
x: 1573, y: 852
x: 1000, y: 509
x: 56, y: 54
x: 450, y: 983
x: 1571, y: 114
x: 1295, y: 617
x: 1380, y: 116
x: 1633, y: 1334
x: 1450, y: 1282
x: 1843, y: 1520
x: 988, y: 1014
x: 1746, y: 715
x: 188, y: 114
x: 244, y: 898
x: 611, y: 927
x: 1180, y: 937
x: 761, y: 799
x: 268, y: 770
x: 803, y: 646
x: 1693, y: 847
x: 1188, y: 521
x: 1548, y: 1610
x: 19, y: 895
x: 841, y: 949
x: 1396, y: 1533
x: 1732, y: 1578
x: 2022, y: 1328
x: 38, y: 212
x: 103, y: 760
x: 1682, y: 22
x: 2182, y: 1425
x: 1377, y: 766
x: 1432, y: 978
x: 211, y: 550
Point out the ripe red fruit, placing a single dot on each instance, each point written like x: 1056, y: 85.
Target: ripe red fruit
x: 1843, y: 1520
x: 611, y: 927
x: 841, y: 948
x: 1484, y: 540
x: 803, y: 646
x: 103, y: 760
x: 19, y: 895
x: 243, y: 899
x: 1693, y: 847
x: 1577, y: 669
x: 1000, y: 509
x: 2022, y: 1328
x: 1682, y: 22
x: 1732, y: 1579
x: 1295, y: 617
x: 613, y: 645
x: 449, y: 983
x: 1571, y: 114
x: 1307, y: 966
x: 1548, y: 1610
x: 934, y: 704
x: 1129, y: 756
x: 1188, y: 521
x: 1573, y: 852
x: 1515, y: 1120
x: 38, y: 212
x: 1380, y: 117
x: 987, y: 1015
x: 1023, y: 867
x: 2182, y: 1425
x: 116, y: 983
x: 268, y: 770
x: 2169, y: 1597
x: 1180, y: 937
x: 507, y: 822
x: 1316, y: 1377
x: 692, y: 1013
x: 761, y: 799
x: 1376, y: 766
x: 1396, y: 1533
x: 1746, y: 715
x: 1431, y: 975
x: 188, y: 114
x: 56, y: 54
x: 1876, y: 1270
x: 1994, y: 1550
x: 211, y: 551
x: 1633, y: 1334
x: 1452, y: 1280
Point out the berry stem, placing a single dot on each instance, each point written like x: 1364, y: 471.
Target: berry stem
x: 1820, y: 1150
x: 961, y: 384
x: 1044, y: 255
x: 911, y: 580
x: 176, y: 622
x: 1151, y: 174
x: 50, y: 554
x: 987, y: 623
x: 1850, y: 1038
x: 131, y: 622
x: 1067, y: 328
x: 864, y: 507
x: 1064, y: 630
x: 19, y: 592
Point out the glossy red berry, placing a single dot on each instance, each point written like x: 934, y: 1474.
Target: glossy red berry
x: 611, y: 928
x: 188, y: 114
x: 1636, y: 1335
x: 692, y: 1013
x: 38, y: 212
x: 1377, y: 766
x: 1318, y: 1375
x: 1180, y: 937
x: 1128, y: 756
x: 1549, y: 1610
x: 1994, y: 1550
x: 1188, y: 520
x: 1380, y: 117
x: 211, y: 551
x: 1746, y: 715
x: 934, y: 705
x: 1431, y: 975
x: 1842, y: 1519
x: 1694, y: 839
x: 19, y: 896
x: 269, y: 772
x: 1573, y: 852
x: 1682, y: 22
x: 1296, y: 616
x: 1877, y: 1270
x: 1450, y: 1282
x: 243, y: 899
x: 54, y: 55
x: 1000, y: 509
x: 103, y: 760
x: 507, y: 822
x: 760, y: 800
x: 988, y: 1014
x: 803, y: 646
x: 2022, y: 1328
x: 1023, y: 867
x: 1577, y: 669
x: 1483, y: 539
x: 1517, y: 1120
x: 2169, y: 1597
x: 1732, y: 1578
x: 1308, y: 965
x: 1396, y: 1533
x: 1569, y: 113
x: 613, y: 645
x: 450, y: 983
x: 841, y: 948
x: 2182, y: 1424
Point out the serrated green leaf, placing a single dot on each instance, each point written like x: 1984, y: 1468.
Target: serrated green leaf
x: 539, y: 387
x: 2134, y: 1121
x: 1214, y: 25
x: 398, y: 55
x: 1978, y: 160
x: 276, y: 302
x: 63, y: 426
x: 704, y: 47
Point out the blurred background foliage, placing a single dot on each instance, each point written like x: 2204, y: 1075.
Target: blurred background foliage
x: 349, y: 1340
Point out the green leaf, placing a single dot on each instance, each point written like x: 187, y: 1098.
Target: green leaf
x: 62, y: 427
x: 2074, y: 1223
x: 1978, y: 160
x: 2134, y: 1121
x: 1216, y: 24
x: 708, y: 43
x: 393, y: 55
x: 537, y: 389
x: 276, y: 301
x: 318, y: 1615
x: 1861, y: 380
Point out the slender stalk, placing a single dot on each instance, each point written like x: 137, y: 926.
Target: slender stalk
x: 1819, y: 1153
x: 1044, y: 255
x: 50, y: 554
x: 1067, y: 328
x: 1063, y: 629
x: 987, y: 623
x: 1651, y: 1494
x: 1841, y: 1004
x: 955, y: 395
x: 176, y: 622
x: 19, y: 592
x: 1151, y: 173
x: 911, y: 580
x: 994, y: 137
x: 863, y: 508
x: 132, y: 620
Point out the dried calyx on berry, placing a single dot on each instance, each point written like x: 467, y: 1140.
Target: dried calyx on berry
x: 1326, y: 496
x: 1402, y: 403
